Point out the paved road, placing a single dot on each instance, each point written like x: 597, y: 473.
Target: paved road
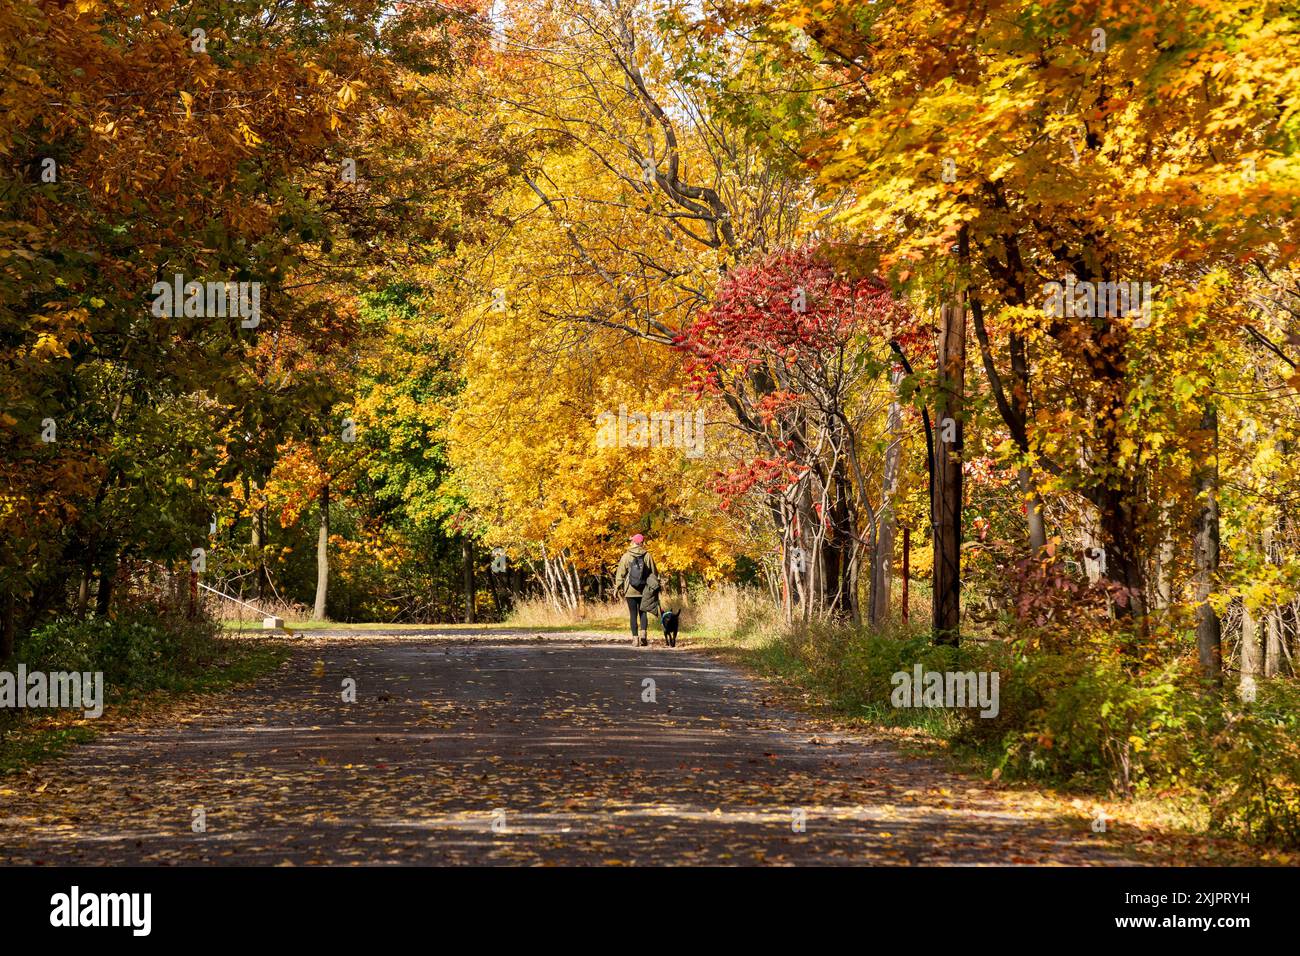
x: 464, y: 749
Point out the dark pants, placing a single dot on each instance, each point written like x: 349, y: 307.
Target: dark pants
x: 633, y: 609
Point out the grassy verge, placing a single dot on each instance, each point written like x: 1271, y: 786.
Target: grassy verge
x: 777, y: 659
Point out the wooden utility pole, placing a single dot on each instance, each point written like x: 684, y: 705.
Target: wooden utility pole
x: 947, y: 500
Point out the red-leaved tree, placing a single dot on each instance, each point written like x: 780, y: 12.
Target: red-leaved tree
x: 797, y: 347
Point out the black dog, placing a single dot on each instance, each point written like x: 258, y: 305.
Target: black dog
x: 669, y: 620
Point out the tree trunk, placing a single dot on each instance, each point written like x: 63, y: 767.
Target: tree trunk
x: 787, y: 585
x: 1013, y: 408
x: 1115, y: 491
x: 1036, y: 526
x: 1033, y: 513
x: 1289, y: 615
x: 468, y: 551
x: 8, y: 627
x: 803, y: 574
x: 1209, y: 647
x: 497, y: 600
x: 263, y: 572
x: 1094, y: 556
x: 882, y: 557
x: 1272, y: 642
x: 83, y: 589
x: 256, y: 540
x: 1122, y: 562
x: 1164, y: 571
x: 839, y: 597
x: 1250, y: 655
x: 1273, y: 624
x: 104, y: 598
x: 322, y: 555
x: 948, y: 474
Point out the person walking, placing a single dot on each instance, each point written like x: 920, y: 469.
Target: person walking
x: 635, y: 568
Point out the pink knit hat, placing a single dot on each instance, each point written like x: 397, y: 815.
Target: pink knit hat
x: 638, y: 538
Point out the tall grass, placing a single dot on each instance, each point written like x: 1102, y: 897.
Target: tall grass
x: 232, y: 612
x: 538, y: 612
x: 723, y: 609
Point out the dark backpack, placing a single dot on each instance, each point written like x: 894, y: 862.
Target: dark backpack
x: 637, y: 574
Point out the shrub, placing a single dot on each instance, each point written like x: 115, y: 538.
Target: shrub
x: 143, y: 648
x: 853, y: 669
x: 1245, y: 759
x: 1086, y: 718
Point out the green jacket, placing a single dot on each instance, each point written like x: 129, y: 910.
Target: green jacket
x: 625, y: 564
